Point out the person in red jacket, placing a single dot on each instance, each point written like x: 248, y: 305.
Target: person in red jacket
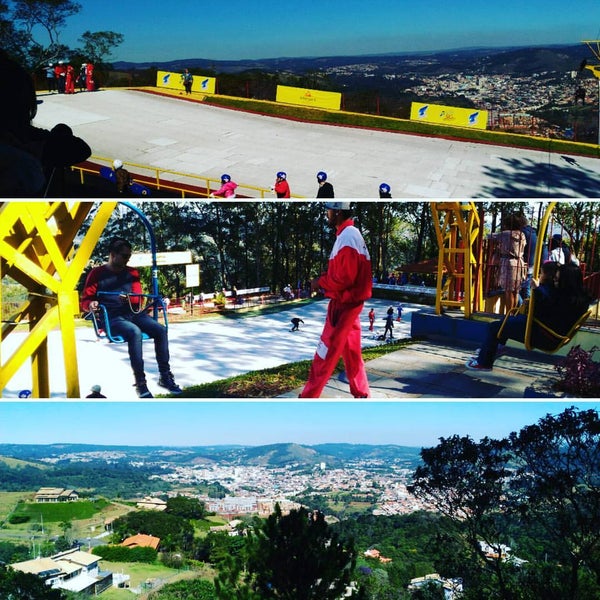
x: 348, y: 283
x: 70, y: 80
x: 282, y: 187
x: 89, y: 77
x: 118, y: 287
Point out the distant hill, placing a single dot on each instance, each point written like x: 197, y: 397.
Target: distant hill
x: 515, y: 60
x: 273, y: 455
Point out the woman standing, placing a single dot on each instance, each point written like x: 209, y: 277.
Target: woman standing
x: 511, y: 243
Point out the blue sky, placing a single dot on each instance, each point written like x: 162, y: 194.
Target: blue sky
x: 265, y: 29
x: 255, y: 423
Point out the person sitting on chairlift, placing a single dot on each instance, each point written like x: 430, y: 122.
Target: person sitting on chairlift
x: 558, y: 308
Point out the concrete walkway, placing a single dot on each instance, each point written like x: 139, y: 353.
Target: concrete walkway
x: 428, y: 370
x: 190, y: 137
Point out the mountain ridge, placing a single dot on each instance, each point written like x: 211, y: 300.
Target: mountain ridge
x: 493, y: 59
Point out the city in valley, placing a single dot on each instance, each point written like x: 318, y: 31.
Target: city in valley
x: 250, y: 480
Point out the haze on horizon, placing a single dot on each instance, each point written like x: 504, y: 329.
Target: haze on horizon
x: 236, y: 30
x: 256, y: 423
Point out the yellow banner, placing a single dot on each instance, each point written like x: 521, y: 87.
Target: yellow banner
x: 174, y: 81
x: 306, y: 97
x: 449, y: 115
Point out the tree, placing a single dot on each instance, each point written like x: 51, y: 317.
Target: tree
x: 558, y: 481
x: 12, y: 40
x: 188, y: 508
x: 16, y: 585
x: 98, y: 45
x: 49, y: 15
x: 542, y: 486
x: 466, y: 481
x: 292, y: 557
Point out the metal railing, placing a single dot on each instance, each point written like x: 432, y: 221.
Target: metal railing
x: 184, y: 184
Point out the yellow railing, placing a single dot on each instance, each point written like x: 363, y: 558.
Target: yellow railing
x: 175, y: 181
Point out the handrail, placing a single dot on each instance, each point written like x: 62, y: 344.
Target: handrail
x: 204, y: 185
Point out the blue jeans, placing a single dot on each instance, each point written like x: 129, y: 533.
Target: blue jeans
x: 130, y: 328
x: 514, y: 330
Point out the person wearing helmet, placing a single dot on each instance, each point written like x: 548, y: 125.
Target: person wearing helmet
x: 81, y: 77
x: 60, y: 72
x: 385, y: 191
x: 348, y: 283
x: 325, y: 188
x: 122, y: 178
x: 281, y: 187
x: 227, y: 189
x: 50, y: 78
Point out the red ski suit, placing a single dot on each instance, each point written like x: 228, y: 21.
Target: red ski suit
x: 348, y: 282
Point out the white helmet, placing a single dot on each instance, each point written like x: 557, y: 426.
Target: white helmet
x: 117, y: 164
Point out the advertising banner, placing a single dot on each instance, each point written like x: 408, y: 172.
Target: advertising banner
x: 306, y: 97
x: 174, y: 81
x: 449, y: 115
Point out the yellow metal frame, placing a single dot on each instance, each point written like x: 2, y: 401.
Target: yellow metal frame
x: 37, y: 250
x: 457, y: 226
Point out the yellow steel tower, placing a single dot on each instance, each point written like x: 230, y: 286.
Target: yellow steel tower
x: 37, y: 250
x: 457, y: 226
x: 594, y: 46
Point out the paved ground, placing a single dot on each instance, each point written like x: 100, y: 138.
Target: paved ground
x: 190, y: 137
x: 214, y: 348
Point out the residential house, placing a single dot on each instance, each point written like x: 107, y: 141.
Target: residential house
x: 141, y: 540
x: 72, y: 570
x: 149, y: 503
x: 51, y: 494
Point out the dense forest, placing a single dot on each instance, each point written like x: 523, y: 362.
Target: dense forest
x: 109, y: 480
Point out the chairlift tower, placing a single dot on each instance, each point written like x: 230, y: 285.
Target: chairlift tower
x: 594, y: 46
x: 38, y: 250
x: 458, y: 228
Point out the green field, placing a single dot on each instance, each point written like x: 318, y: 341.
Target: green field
x: 61, y: 511
x: 86, y: 518
x: 8, y: 502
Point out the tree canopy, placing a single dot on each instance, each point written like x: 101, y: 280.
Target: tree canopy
x: 31, y: 30
x: 293, y: 557
x: 545, y: 480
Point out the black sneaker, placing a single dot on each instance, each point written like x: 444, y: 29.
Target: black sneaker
x: 143, y: 391
x: 168, y: 381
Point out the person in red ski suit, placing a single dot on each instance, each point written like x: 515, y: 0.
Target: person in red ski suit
x: 89, y: 77
x: 70, y: 80
x: 348, y: 283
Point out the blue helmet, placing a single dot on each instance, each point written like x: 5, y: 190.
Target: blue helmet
x: 321, y: 176
x: 385, y: 188
x: 225, y: 178
x: 281, y: 175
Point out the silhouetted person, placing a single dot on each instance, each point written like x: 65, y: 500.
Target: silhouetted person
x: 32, y: 160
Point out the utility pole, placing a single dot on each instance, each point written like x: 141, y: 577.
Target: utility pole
x: 594, y: 46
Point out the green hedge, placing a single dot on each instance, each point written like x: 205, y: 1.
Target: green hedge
x: 124, y: 554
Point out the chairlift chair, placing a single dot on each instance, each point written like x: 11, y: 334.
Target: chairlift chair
x: 527, y: 308
x: 101, y: 322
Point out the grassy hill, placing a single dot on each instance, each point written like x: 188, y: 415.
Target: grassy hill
x: 16, y: 463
